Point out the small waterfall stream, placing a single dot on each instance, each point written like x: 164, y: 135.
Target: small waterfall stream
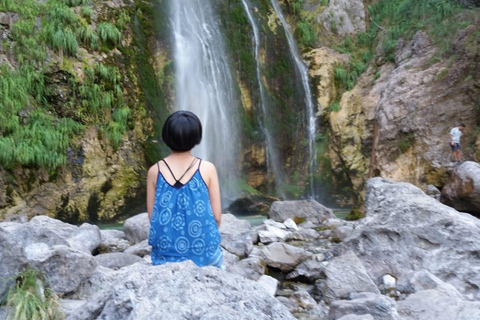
x: 310, y: 107
x: 206, y: 86
x: 273, y: 161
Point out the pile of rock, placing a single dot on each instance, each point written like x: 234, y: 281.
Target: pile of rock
x: 410, y: 258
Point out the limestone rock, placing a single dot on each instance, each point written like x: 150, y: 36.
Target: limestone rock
x: 137, y: 228
x: 229, y: 261
x: 378, y: 306
x: 87, y: 236
x: 182, y: 291
x: 236, y: 235
x: 357, y: 317
x: 406, y: 231
x: 309, y: 210
x: 283, y: 256
x: 345, y: 275
x: 462, y: 191
x: 433, y: 192
x: 116, y: 260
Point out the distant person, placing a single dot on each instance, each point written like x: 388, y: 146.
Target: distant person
x: 183, y: 198
x: 455, y: 135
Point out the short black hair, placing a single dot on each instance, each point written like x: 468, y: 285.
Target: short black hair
x: 462, y: 125
x: 182, y: 131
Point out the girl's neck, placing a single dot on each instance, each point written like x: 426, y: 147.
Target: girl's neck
x: 181, y: 153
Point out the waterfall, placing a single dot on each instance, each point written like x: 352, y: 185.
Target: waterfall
x: 271, y: 143
x: 310, y: 108
x: 206, y: 86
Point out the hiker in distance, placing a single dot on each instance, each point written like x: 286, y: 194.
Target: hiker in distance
x: 455, y: 135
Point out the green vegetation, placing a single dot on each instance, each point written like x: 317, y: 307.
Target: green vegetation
x: 30, y: 298
x: 392, y: 19
x: 305, y: 33
x: 36, y: 128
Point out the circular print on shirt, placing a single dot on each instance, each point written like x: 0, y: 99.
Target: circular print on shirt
x: 199, y: 208
x: 165, y: 198
x: 164, y: 243
x: 165, y: 216
x: 178, y: 221
x: 195, y: 228
x: 182, y: 245
x: 194, y: 184
x: 182, y: 201
x: 198, y: 246
x: 211, y: 249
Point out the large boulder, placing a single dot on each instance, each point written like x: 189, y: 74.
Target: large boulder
x: 378, y: 306
x: 113, y: 241
x: 405, y: 231
x: 346, y: 274
x: 462, y: 191
x: 117, y: 260
x: 236, y: 235
x: 283, y: 256
x: 86, y: 237
x: 182, y: 291
x: 309, y: 210
x: 137, y: 228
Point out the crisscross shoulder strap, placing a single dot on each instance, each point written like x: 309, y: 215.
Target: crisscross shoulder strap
x: 171, y: 172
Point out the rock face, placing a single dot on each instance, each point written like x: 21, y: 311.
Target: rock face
x: 462, y: 191
x: 406, y: 230
x: 395, y: 122
x: 344, y: 17
x: 182, y: 291
x: 309, y: 210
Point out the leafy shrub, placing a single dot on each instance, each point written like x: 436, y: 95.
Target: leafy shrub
x: 109, y: 33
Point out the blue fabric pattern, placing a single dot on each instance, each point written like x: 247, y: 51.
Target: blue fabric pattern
x: 182, y: 226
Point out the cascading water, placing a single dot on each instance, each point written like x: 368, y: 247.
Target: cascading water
x: 205, y: 86
x: 303, y: 71
x: 272, y: 156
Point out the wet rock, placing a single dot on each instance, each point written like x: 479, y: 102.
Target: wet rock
x: 378, y: 306
x: 182, y: 291
x: 462, y: 191
x: 406, y: 231
x: 137, y: 228
x: 283, y: 256
x: 345, y: 275
x: 236, y: 235
x: 302, y: 210
x: 117, y: 260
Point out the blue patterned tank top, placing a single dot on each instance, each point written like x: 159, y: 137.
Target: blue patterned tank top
x: 182, y: 226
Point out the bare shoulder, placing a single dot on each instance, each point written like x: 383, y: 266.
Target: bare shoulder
x: 207, y: 165
x: 153, y: 171
x: 208, y: 170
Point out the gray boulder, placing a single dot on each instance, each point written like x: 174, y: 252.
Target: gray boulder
x: 236, y: 235
x: 345, y: 275
x: 137, y: 228
x: 309, y: 210
x: 140, y: 249
x: 13, y: 259
x: 357, y: 317
x: 344, y: 17
x: 117, y: 260
x: 87, y: 237
x: 50, y: 231
x: 308, y: 271
x: 65, y: 267
x: 406, y: 231
x: 283, y: 256
x: 182, y: 291
x: 462, y: 191
x: 113, y: 241
x: 378, y: 306
x: 251, y: 268
x: 269, y: 284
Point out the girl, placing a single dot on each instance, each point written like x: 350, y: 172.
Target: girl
x: 183, y: 198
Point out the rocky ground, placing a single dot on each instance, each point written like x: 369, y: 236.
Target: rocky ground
x: 410, y: 258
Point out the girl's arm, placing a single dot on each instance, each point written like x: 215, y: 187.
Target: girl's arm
x: 213, y: 191
x: 151, y: 182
